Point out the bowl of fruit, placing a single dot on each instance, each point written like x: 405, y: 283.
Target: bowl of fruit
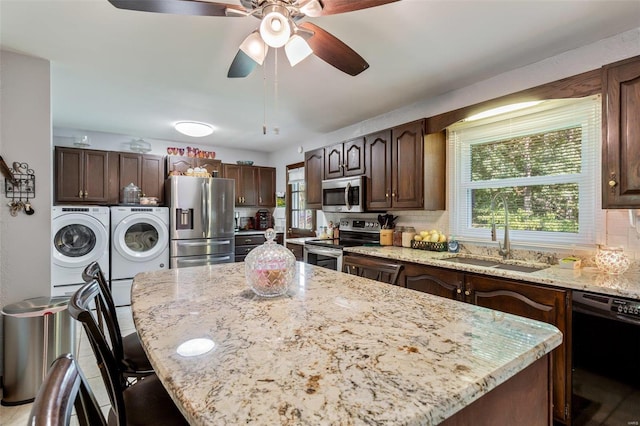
x: 433, y: 240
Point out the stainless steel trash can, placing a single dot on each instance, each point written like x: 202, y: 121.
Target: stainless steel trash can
x: 36, y: 332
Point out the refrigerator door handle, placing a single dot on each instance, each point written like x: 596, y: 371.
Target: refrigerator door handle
x: 205, y: 212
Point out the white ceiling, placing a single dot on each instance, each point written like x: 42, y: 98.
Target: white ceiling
x: 137, y: 73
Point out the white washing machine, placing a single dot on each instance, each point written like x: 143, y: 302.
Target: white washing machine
x: 139, y: 243
x: 79, y: 235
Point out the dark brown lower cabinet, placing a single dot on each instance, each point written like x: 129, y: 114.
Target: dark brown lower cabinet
x: 297, y: 250
x: 547, y: 304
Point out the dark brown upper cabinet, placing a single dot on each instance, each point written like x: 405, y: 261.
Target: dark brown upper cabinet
x: 266, y: 186
x: 313, y: 175
x: 621, y: 134
x: 145, y: 171
x: 344, y: 159
x: 81, y: 176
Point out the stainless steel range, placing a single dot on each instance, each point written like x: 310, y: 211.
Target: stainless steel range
x: 353, y: 232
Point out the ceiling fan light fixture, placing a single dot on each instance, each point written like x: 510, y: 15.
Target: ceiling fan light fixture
x: 275, y: 28
x: 297, y: 49
x: 194, y: 129
x: 311, y: 8
x: 255, y: 47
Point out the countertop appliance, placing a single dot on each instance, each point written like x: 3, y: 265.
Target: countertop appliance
x: 201, y: 220
x: 264, y: 220
x: 353, y: 232
x: 606, y: 349
x: 139, y: 243
x: 79, y: 236
x: 345, y: 195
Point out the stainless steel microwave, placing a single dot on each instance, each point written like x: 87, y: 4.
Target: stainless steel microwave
x: 344, y: 195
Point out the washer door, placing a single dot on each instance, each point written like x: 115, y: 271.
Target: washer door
x: 140, y: 237
x: 78, y: 240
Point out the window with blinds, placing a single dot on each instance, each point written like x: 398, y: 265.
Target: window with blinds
x: 300, y: 218
x: 544, y: 161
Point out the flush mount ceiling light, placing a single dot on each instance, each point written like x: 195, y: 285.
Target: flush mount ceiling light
x: 501, y: 110
x: 194, y: 129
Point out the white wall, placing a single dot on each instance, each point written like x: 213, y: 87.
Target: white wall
x: 104, y: 141
x: 25, y: 136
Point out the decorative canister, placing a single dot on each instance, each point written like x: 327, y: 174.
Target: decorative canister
x: 386, y: 237
x: 612, y: 260
x: 407, y: 236
x: 397, y: 236
x: 270, y: 268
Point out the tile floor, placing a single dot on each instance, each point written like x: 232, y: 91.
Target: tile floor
x: 19, y: 415
x: 602, y: 401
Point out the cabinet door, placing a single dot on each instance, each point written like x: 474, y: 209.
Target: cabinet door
x: 621, y: 144
x: 378, y: 165
x: 438, y: 281
x: 96, y: 176
x: 266, y: 186
x: 353, y: 157
x: 130, y: 170
x: 180, y: 164
x: 69, y: 172
x: 408, y: 165
x: 313, y: 175
x: 333, y: 162
x: 153, y: 176
x: 214, y: 167
x: 249, y: 185
x: 297, y: 250
x: 232, y: 171
x: 536, y: 302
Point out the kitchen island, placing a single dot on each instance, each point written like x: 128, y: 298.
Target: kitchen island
x: 337, y: 349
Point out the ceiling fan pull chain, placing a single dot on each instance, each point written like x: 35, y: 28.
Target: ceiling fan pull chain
x: 276, y: 114
x: 264, y: 100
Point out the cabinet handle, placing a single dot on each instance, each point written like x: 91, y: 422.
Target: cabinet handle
x: 613, y: 183
x: 467, y: 293
x: 80, y: 194
x: 260, y: 200
x: 386, y: 195
x: 459, y: 291
x: 86, y: 194
x: 247, y: 241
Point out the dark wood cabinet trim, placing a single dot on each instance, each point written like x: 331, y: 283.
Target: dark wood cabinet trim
x: 577, y: 86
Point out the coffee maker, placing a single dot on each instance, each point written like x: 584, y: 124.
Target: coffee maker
x: 264, y: 219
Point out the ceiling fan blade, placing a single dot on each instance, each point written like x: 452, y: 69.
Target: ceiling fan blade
x: 241, y: 66
x: 333, y: 7
x: 334, y: 52
x: 178, y: 7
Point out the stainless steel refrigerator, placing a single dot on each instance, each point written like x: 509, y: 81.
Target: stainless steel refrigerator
x: 201, y: 220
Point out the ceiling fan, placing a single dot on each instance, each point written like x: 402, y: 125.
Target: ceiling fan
x: 280, y: 26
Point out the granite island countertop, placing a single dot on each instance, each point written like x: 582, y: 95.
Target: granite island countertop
x: 585, y: 279
x: 336, y: 349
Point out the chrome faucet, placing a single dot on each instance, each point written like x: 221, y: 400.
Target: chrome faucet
x: 504, y: 249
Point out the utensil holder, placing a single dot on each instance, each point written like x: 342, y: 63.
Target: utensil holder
x: 386, y: 237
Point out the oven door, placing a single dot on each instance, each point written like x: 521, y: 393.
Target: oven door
x: 343, y: 195
x: 326, y: 257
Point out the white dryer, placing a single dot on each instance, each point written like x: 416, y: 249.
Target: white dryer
x: 79, y: 235
x: 139, y: 243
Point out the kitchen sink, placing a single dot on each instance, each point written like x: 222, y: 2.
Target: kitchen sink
x: 519, y: 268
x: 473, y: 261
x: 494, y: 263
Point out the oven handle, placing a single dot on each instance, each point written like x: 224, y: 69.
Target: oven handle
x: 323, y: 251
x: 346, y: 195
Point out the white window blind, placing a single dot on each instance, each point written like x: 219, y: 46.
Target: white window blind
x: 544, y: 160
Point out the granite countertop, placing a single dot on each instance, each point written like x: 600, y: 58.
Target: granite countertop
x: 252, y: 232
x: 336, y: 349
x: 585, y: 279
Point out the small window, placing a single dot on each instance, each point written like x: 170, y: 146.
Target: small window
x: 300, y: 219
x: 543, y: 161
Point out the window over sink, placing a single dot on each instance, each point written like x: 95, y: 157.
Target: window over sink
x: 543, y: 159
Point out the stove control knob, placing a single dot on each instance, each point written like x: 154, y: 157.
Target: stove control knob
x: 619, y: 308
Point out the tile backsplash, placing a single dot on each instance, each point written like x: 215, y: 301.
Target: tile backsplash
x: 618, y: 233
